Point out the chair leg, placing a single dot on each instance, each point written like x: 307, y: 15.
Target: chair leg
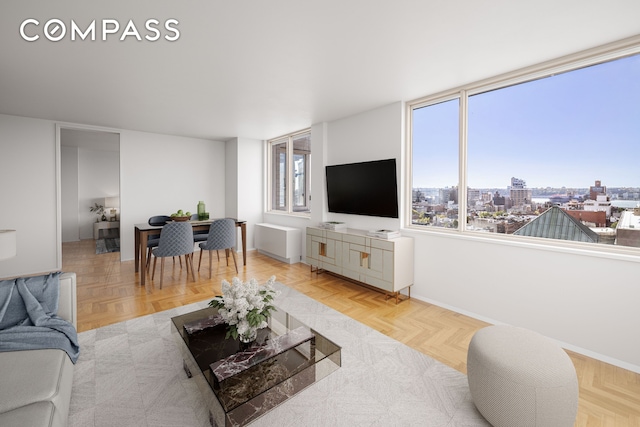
x: 153, y: 273
x: 233, y: 252
x: 210, y: 264
x: 148, y: 259
x: 218, y: 253
x: 226, y: 251
x: 161, y: 271
x: 200, y: 260
x: 193, y: 273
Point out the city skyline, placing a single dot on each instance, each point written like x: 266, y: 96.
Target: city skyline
x: 561, y: 131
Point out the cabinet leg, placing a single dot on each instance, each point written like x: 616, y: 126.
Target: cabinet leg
x: 397, y: 295
x: 317, y: 270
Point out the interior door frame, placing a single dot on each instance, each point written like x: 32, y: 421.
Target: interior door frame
x: 59, y: 126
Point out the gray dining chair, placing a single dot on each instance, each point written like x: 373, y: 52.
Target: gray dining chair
x: 176, y: 239
x: 222, y: 235
x: 153, y: 239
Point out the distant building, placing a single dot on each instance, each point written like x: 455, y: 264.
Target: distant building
x: 499, y: 203
x: 628, y: 229
x: 596, y: 190
x: 444, y: 195
x: 519, y: 194
x: 589, y: 218
x: 473, y: 195
x: 518, y: 183
x: 555, y: 223
x: 602, y: 203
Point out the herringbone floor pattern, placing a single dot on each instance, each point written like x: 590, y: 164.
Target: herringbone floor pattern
x: 109, y: 292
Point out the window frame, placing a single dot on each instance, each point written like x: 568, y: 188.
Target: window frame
x: 289, y: 208
x: 612, y: 51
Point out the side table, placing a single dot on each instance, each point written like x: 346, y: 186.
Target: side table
x: 103, y: 225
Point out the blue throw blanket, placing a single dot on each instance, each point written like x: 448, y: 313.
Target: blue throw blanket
x: 40, y: 329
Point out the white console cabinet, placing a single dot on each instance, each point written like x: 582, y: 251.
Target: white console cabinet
x: 386, y: 264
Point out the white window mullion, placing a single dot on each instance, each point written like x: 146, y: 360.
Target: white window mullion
x: 289, y: 181
x: 462, y: 177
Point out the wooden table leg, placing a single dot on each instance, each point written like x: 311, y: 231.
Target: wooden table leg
x: 243, y: 228
x: 136, y: 244
x: 144, y: 237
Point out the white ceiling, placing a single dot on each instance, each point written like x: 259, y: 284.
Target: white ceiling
x: 262, y: 68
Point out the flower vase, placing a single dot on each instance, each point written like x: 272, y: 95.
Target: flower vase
x: 248, y: 338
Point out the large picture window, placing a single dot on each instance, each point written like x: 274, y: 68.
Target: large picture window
x: 550, y: 154
x: 289, y: 163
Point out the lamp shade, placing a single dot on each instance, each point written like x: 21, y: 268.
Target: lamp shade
x: 112, y: 202
x: 7, y: 244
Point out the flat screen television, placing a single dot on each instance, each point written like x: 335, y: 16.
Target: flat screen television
x: 365, y: 188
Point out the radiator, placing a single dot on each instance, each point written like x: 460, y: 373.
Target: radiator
x: 281, y: 243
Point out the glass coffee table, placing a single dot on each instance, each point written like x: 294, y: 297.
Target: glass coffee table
x: 241, y: 383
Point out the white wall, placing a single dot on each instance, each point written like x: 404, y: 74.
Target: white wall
x: 244, y: 190
x: 250, y: 193
x: 372, y: 135
x: 231, y: 179
x: 161, y: 174
x: 69, y: 194
x: 28, y: 194
x: 587, y: 302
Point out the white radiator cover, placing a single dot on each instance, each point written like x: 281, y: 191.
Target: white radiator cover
x: 281, y: 243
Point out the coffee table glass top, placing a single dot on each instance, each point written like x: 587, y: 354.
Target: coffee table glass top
x: 263, y: 382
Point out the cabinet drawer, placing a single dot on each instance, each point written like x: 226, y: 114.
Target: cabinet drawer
x: 358, y: 240
x: 334, y: 235
x: 387, y: 245
x: 315, y: 232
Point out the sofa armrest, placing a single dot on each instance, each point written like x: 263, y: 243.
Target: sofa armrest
x: 67, y: 306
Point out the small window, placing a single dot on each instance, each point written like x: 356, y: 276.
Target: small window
x: 289, y: 173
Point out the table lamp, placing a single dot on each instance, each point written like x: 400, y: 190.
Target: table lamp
x: 112, y: 204
x: 7, y: 244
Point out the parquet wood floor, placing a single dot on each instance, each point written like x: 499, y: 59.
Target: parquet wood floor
x: 109, y: 292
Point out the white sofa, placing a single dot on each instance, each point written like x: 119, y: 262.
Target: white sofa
x: 35, y: 385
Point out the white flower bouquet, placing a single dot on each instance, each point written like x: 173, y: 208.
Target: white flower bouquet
x: 245, y: 307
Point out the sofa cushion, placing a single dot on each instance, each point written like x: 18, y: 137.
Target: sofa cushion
x: 32, y: 376
x: 36, y: 414
x: 46, y: 289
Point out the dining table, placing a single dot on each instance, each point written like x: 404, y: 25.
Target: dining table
x: 142, y: 232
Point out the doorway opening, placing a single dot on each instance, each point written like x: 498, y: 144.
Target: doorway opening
x: 90, y: 187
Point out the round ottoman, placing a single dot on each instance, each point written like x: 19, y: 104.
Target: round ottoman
x: 518, y: 377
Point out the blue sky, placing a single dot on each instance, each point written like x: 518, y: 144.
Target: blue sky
x: 567, y: 130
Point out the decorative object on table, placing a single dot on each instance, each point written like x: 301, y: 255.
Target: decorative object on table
x: 98, y: 210
x: 111, y: 205
x: 202, y: 211
x: 384, y: 234
x: 334, y: 225
x: 181, y: 216
x: 245, y: 307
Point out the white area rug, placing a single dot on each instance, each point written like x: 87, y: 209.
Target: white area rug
x: 130, y: 374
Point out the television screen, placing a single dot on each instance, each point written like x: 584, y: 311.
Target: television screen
x: 366, y: 188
